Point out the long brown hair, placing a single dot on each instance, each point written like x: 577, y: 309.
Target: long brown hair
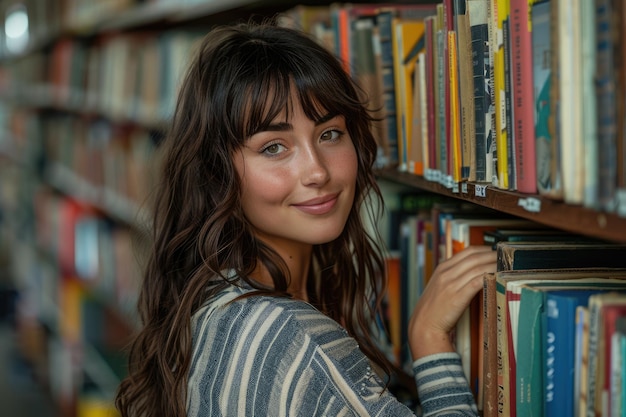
x: 199, y: 230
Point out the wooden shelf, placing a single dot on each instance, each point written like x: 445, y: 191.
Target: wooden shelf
x: 554, y: 213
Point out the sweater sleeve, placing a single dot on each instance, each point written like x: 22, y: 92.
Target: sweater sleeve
x: 442, y: 387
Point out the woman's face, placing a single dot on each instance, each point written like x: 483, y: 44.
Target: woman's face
x: 298, y: 179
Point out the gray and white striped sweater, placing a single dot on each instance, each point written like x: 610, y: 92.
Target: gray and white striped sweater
x: 266, y: 356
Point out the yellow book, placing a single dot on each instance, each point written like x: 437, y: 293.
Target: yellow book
x: 502, y: 13
x: 455, y: 109
x: 407, y: 36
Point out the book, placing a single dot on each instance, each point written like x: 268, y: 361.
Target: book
x: 456, y: 161
x: 407, y: 36
x: 385, y: 14
x: 569, y: 61
x: 507, y: 317
x: 466, y: 87
x: 581, y: 359
x: 618, y: 365
x: 365, y: 69
x: 606, y: 106
x: 560, y: 348
x: 500, y: 133
x: 535, y: 314
x: 482, y: 97
x: 509, y: 97
x: 469, y: 337
x: 531, y: 234
x: 589, y: 120
x: 523, y: 113
x: 541, y: 42
x: 596, y: 399
x: 491, y: 383
x: 417, y: 145
x: 610, y: 316
x: 535, y: 255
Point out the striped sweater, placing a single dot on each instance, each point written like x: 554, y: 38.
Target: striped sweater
x: 266, y: 356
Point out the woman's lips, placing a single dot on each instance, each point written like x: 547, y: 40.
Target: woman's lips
x: 321, y: 205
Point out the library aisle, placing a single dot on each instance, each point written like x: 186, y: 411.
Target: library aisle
x: 20, y: 394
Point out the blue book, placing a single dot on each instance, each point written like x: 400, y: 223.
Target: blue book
x: 559, y: 337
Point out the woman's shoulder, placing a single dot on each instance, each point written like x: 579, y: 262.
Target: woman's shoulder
x: 236, y: 316
x: 239, y: 307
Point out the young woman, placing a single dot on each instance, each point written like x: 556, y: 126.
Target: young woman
x: 262, y: 284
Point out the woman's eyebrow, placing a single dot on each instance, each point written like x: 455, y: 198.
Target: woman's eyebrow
x: 275, y: 127
x: 325, y: 118
x: 286, y: 126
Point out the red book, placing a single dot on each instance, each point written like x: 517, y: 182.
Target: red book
x: 523, y: 105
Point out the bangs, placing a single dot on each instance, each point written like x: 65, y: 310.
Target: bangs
x: 260, y: 98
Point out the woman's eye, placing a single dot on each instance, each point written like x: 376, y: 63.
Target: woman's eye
x: 273, y: 149
x: 331, y: 135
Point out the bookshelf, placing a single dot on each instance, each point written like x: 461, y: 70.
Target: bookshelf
x: 540, y: 209
x: 78, y: 142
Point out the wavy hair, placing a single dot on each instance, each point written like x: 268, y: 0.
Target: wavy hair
x: 239, y: 80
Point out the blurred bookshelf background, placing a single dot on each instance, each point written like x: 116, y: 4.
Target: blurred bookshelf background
x: 86, y: 89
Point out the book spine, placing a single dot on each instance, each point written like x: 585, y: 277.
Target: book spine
x: 455, y: 110
x: 505, y: 406
x: 490, y: 354
x: 542, y: 78
x: 502, y: 12
x: 605, y: 96
x: 508, y: 92
x: 481, y: 101
x: 523, y: 113
x: 383, y: 20
x: 430, y: 98
x: 442, y: 120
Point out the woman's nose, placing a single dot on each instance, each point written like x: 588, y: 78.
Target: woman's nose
x: 314, y: 168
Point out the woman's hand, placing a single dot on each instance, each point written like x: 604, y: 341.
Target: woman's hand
x: 449, y: 291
